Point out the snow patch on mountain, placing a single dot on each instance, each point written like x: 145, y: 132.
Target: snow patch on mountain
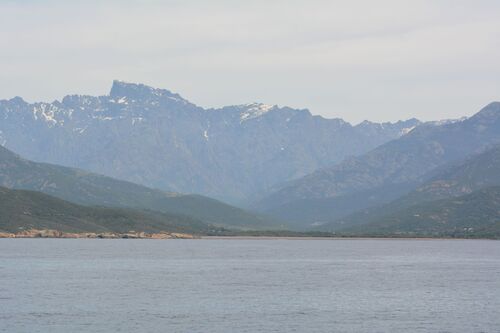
x: 80, y: 130
x: 255, y: 110
x: 46, y: 112
x: 447, y: 121
x: 406, y: 130
x: 137, y: 120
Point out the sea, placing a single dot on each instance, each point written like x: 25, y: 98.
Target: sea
x: 249, y: 285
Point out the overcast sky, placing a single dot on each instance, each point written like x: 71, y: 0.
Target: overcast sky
x: 376, y: 60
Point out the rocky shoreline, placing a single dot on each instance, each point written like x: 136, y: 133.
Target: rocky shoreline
x: 49, y: 233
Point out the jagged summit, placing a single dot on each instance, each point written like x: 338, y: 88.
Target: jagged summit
x: 126, y: 89
x: 155, y: 137
x: 408, y: 122
x: 137, y: 91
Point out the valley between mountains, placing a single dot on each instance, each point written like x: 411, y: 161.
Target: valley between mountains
x: 142, y: 159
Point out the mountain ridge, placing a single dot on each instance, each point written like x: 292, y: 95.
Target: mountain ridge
x: 400, y: 164
x: 472, y: 174
x: 157, y: 138
x: 476, y: 214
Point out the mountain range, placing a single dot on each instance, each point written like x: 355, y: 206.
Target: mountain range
x: 158, y: 139
x: 385, y: 173
x: 131, y: 156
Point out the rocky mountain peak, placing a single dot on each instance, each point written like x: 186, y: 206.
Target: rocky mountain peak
x: 490, y: 113
x: 155, y: 137
x: 125, y: 91
x: 18, y: 100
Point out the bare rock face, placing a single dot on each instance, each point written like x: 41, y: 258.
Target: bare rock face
x: 35, y: 233
x: 50, y: 234
x: 161, y: 236
x: 72, y: 235
x: 182, y: 236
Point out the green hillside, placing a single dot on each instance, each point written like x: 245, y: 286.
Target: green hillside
x: 20, y: 209
x: 473, y: 215
x: 476, y: 172
x: 87, y: 188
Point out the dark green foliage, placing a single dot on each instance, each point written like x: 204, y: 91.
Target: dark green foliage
x: 475, y: 215
x: 21, y: 210
x: 476, y: 172
x: 87, y: 188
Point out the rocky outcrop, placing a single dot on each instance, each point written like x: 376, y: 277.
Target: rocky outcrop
x: 49, y: 233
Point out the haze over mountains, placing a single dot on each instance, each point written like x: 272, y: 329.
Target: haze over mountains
x: 384, y: 173
x: 475, y: 178
x: 296, y: 170
x: 159, y: 139
x: 89, y: 189
x: 476, y: 214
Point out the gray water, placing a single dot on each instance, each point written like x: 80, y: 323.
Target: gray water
x: 58, y: 285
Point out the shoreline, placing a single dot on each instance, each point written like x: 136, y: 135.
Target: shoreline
x: 334, y: 238
x: 55, y: 234
x: 50, y: 233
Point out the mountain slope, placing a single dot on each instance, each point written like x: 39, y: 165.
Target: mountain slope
x: 388, y: 171
x: 23, y: 210
x: 473, y: 215
x: 475, y: 173
x: 157, y: 138
x: 91, y: 189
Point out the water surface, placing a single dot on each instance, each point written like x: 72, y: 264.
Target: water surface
x: 80, y: 285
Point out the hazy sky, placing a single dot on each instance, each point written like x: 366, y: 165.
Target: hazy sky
x: 377, y: 60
